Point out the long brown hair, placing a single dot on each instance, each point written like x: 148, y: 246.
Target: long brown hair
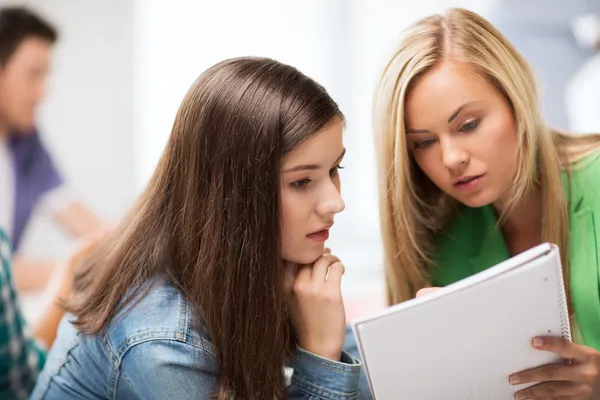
x: 209, y: 220
x: 412, y: 210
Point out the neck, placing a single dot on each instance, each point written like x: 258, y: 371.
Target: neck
x: 522, y: 225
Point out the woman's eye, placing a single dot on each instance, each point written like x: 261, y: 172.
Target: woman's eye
x: 301, y: 184
x: 421, y: 144
x: 469, y: 126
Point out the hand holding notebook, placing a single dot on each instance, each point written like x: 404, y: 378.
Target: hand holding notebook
x: 465, y: 340
x: 557, y: 380
x: 579, y: 378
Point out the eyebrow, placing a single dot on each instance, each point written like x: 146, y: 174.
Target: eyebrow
x: 408, y: 130
x: 312, y: 167
x: 452, y: 118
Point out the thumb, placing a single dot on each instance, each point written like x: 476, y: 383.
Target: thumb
x: 427, y: 290
x: 334, y: 277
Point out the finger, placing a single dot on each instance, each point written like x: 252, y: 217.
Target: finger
x: 321, y: 266
x: 427, y: 290
x: 334, y: 278
x: 563, y: 348
x: 546, y: 373
x: 550, y: 390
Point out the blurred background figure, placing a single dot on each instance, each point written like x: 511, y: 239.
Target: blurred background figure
x: 558, y: 38
x: 29, y: 178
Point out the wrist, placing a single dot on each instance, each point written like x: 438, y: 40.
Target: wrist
x: 333, y: 356
x: 329, y: 353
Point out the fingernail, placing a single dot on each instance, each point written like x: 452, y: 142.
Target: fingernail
x: 537, y: 342
x: 521, y: 396
x: 513, y: 379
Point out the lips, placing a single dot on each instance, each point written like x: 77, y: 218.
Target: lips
x: 466, y: 180
x: 469, y: 183
x: 319, y: 236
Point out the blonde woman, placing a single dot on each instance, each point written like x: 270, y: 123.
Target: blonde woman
x: 470, y: 175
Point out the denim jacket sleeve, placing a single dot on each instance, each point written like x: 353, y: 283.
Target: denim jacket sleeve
x: 351, y: 347
x: 317, y: 378
x: 162, y: 369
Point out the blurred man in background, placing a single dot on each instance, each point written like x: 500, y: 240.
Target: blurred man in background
x: 29, y: 178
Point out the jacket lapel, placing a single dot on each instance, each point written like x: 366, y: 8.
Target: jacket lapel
x: 585, y: 279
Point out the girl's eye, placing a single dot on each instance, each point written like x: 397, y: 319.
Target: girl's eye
x: 301, y: 184
x: 335, y: 170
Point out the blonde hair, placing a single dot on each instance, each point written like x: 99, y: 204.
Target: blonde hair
x: 412, y: 209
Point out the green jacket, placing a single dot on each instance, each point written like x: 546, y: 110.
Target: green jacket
x: 473, y: 243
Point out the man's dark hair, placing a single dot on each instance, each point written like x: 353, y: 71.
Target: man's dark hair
x: 18, y: 24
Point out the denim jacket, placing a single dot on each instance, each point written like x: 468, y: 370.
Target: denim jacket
x: 157, y: 350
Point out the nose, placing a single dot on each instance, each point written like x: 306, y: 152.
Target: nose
x: 454, y: 156
x: 331, y: 201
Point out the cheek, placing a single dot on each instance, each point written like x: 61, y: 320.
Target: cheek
x: 292, y: 208
x: 286, y: 213
x: 501, y: 145
x: 337, y: 182
x: 296, y: 208
x: 14, y: 99
x: 21, y: 89
x: 430, y: 164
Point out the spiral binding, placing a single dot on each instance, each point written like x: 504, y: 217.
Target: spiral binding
x: 565, y: 323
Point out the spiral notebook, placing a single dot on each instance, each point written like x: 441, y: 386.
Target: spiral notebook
x: 462, y: 342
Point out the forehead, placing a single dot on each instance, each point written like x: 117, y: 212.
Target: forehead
x: 30, y: 50
x: 323, y: 145
x: 444, y: 88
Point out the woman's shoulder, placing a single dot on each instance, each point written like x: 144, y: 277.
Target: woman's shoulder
x: 584, y: 177
x: 154, y: 347
x: 163, y: 313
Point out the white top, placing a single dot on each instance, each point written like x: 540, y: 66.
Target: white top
x: 7, y: 188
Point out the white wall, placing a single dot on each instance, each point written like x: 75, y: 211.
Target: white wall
x: 178, y: 40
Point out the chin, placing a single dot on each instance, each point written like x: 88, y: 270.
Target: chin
x: 475, y: 204
x: 24, y: 129
x: 481, y: 200
x: 305, y: 256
